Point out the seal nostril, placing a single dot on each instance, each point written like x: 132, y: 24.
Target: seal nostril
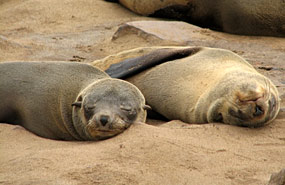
x: 219, y: 118
x: 104, y: 120
x: 258, y: 111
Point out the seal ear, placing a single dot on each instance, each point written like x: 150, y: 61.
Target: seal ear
x: 77, y: 104
x: 147, y: 107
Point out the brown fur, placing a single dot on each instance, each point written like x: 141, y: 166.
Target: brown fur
x: 210, y: 85
x: 244, y: 17
x: 39, y: 96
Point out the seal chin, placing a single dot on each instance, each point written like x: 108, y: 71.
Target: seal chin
x: 97, y: 131
x: 102, y: 134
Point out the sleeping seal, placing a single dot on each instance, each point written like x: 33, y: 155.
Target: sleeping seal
x: 255, y: 17
x: 67, y: 101
x: 198, y: 84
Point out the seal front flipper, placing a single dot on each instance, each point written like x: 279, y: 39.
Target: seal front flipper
x: 131, y: 66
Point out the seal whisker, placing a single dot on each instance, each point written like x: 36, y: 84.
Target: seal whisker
x: 268, y: 89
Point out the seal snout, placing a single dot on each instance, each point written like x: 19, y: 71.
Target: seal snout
x: 264, y: 106
x: 258, y: 111
x: 104, y: 119
x: 260, y: 107
x: 254, y: 112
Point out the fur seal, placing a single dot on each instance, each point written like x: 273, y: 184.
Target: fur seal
x: 198, y: 84
x: 67, y: 101
x: 258, y: 17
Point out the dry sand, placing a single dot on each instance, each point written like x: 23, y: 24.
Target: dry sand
x: 156, y: 153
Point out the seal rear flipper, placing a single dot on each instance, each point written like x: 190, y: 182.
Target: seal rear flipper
x: 131, y: 66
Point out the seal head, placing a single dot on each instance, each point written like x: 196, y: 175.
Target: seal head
x: 107, y: 110
x: 253, y: 103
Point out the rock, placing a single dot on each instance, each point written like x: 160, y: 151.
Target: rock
x: 277, y: 178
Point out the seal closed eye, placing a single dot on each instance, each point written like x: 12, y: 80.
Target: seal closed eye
x: 67, y: 101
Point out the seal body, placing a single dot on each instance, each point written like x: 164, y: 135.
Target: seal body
x: 261, y: 17
x: 208, y: 85
x: 67, y: 101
